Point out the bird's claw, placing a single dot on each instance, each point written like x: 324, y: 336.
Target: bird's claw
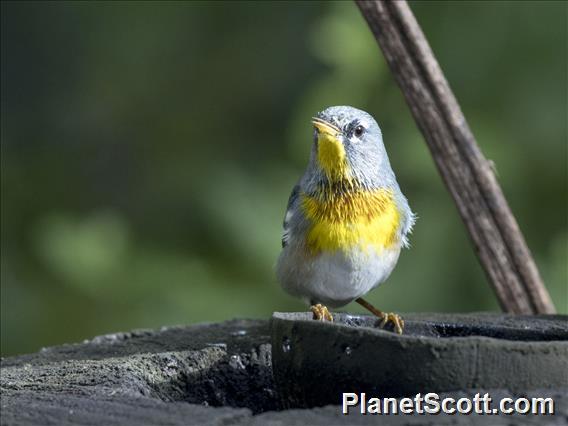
x: 396, y: 320
x: 321, y: 313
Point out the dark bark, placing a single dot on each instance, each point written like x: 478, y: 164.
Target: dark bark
x: 468, y: 175
x: 223, y: 373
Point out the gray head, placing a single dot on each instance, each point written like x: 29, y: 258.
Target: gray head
x: 348, y: 145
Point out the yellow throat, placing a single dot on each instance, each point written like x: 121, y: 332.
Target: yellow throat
x: 352, y: 217
x: 331, y: 153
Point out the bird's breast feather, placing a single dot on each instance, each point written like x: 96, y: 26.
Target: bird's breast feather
x: 362, y: 218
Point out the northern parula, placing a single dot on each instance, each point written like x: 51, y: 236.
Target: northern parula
x: 346, y: 219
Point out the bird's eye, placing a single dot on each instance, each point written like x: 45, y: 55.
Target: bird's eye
x: 359, y: 130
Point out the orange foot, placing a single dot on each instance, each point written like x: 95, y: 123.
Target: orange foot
x: 397, y: 321
x: 321, y: 313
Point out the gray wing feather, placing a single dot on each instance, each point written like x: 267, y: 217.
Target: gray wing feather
x: 288, y: 215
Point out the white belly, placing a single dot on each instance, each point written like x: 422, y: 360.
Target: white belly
x: 334, y: 279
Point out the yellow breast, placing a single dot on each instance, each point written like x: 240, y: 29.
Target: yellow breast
x: 358, y: 218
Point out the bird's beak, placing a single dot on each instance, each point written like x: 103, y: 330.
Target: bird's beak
x: 325, y: 128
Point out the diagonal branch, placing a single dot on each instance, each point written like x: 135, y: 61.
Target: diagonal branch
x: 468, y: 175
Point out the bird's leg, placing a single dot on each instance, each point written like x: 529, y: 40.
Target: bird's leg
x: 385, y: 317
x: 321, y: 313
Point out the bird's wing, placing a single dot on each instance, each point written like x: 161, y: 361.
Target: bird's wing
x: 409, y: 218
x: 288, y: 216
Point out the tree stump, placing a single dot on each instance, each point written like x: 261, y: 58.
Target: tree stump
x: 223, y: 374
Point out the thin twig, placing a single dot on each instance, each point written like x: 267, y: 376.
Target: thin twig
x: 468, y: 175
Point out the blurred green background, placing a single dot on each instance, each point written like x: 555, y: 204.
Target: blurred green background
x: 148, y: 151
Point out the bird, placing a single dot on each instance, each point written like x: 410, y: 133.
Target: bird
x: 346, y: 220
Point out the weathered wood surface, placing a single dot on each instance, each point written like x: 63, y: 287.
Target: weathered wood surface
x: 487, y: 351
x: 468, y: 175
x: 210, y: 374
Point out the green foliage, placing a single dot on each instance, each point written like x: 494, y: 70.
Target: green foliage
x: 148, y: 151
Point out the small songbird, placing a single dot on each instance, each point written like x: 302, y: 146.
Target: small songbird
x: 346, y: 219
